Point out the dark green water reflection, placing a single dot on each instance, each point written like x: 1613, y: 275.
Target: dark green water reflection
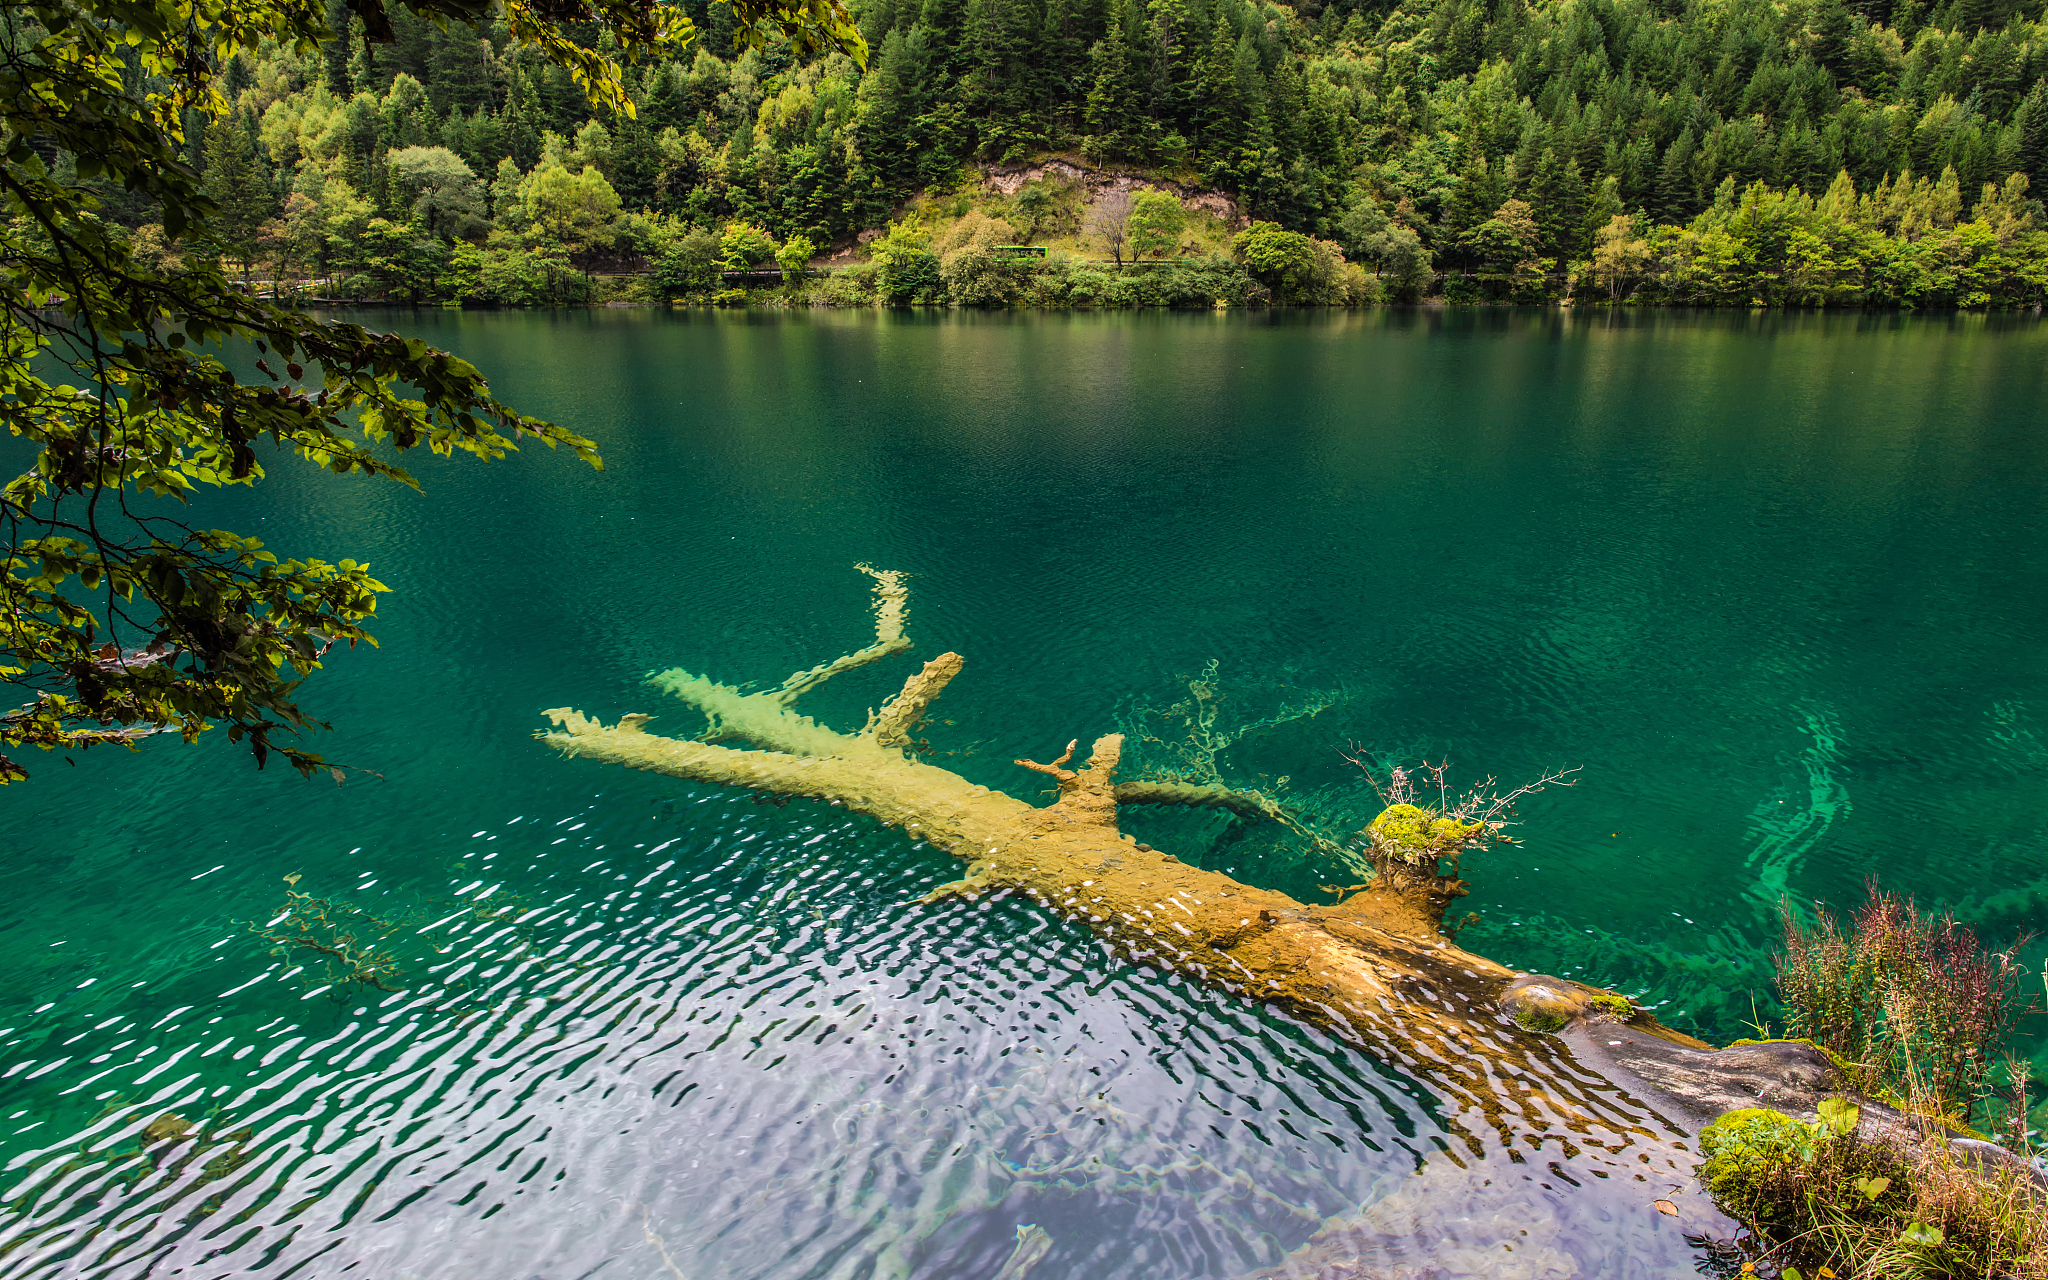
x: 1779, y: 585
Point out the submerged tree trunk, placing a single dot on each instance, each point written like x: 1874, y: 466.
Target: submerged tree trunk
x: 1527, y: 1057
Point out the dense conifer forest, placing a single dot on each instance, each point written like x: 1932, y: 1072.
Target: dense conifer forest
x: 1806, y: 152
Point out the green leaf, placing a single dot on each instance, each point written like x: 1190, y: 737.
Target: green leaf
x: 1872, y: 1188
x: 1921, y: 1233
x: 1840, y: 1116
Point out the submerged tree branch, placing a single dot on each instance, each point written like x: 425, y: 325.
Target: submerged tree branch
x: 1513, y: 1053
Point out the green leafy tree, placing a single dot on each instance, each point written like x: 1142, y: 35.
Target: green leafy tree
x: 793, y: 255
x: 573, y: 212
x: 1508, y: 240
x: 1619, y: 255
x: 688, y: 263
x: 446, y: 196
x: 1297, y: 268
x: 742, y: 246
x: 1404, y: 263
x: 124, y: 613
x: 401, y: 259
x: 910, y: 270
x: 1156, y: 221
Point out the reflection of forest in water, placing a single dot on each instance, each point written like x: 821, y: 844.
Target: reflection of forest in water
x: 1704, y: 560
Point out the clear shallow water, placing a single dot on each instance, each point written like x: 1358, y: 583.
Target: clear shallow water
x: 1776, y: 584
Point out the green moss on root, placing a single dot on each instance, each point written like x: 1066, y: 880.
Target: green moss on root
x: 1417, y: 835
x: 1615, y: 1006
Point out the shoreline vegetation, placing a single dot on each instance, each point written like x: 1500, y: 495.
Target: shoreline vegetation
x: 1761, y: 247
x: 1876, y: 154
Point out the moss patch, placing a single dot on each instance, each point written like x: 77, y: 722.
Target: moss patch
x: 1842, y: 1064
x: 1420, y: 836
x: 1532, y: 1018
x: 1743, y: 1150
x: 1614, y: 1006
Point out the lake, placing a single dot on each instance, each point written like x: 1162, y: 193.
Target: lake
x: 1777, y: 585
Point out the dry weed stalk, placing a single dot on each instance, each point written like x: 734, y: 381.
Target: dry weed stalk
x: 1916, y: 1003
x: 1424, y: 829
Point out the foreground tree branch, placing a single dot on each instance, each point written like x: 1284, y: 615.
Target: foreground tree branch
x: 119, y: 616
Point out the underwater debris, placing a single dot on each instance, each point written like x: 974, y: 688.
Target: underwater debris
x: 1175, y: 752
x: 349, y: 937
x: 1033, y: 1243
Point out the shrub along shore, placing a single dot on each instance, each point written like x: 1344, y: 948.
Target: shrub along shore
x: 1900, y: 247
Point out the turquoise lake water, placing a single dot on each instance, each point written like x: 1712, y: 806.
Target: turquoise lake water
x: 1777, y: 585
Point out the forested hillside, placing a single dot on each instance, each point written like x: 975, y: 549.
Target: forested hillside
x: 1716, y: 150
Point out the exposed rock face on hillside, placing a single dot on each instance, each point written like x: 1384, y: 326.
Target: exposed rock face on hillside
x: 1008, y: 180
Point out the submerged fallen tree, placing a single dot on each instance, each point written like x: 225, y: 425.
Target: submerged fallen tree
x: 1526, y: 1058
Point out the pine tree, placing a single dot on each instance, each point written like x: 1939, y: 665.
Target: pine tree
x: 239, y: 76
x: 2032, y: 156
x: 1677, y: 193
x: 1995, y: 74
x: 238, y: 186
x: 1801, y: 162
x: 1176, y: 51
x: 1286, y: 109
x: 334, y: 55
x: 363, y: 72
x: 1840, y: 203
x: 455, y: 73
x: 1219, y: 104
x: 634, y: 165
x: 563, y: 106
x: 412, y: 52
x: 456, y: 137
x: 882, y: 17
x: 1062, y: 66
x: 1602, y: 209
x: 1473, y: 200
x: 1557, y: 196
x: 487, y: 138
x: 1464, y: 44
x: 1253, y: 92
x: 505, y: 190
x: 995, y: 90
x: 522, y: 118
x: 1115, y: 120
x: 1590, y: 147
x: 1832, y: 27
x: 944, y: 22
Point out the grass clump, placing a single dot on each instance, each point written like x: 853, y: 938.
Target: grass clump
x: 1831, y: 1199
